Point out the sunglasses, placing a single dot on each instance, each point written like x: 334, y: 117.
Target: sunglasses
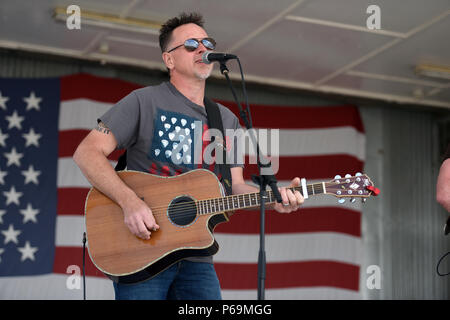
x: 192, y: 44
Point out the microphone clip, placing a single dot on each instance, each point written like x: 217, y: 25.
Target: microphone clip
x: 223, y: 67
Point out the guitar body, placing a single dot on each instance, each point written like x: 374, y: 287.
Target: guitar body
x: 126, y: 258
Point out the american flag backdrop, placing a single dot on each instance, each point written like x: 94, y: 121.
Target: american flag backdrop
x: 314, y: 253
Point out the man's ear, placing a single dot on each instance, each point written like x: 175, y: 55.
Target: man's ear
x: 168, y: 60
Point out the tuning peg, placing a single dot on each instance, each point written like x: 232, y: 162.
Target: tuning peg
x: 363, y: 200
x: 352, y: 200
x: 337, y: 177
x: 341, y: 200
x: 348, y: 175
x: 358, y: 174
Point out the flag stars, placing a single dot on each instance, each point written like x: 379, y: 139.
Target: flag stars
x: 29, y: 214
x: 13, y: 157
x: 3, y: 101
x: 1, y: 251
x: 11, y: 235
x: 33, y: 102
x: 31, y: 175
x: 14, y: 120
x: 32, y: 138
x: 27, y: 251
x: 12, y: 196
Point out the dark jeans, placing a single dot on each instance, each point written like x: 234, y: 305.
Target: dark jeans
x: 185, y: 280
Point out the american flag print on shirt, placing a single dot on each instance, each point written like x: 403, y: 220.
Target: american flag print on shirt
x: 314, y: 253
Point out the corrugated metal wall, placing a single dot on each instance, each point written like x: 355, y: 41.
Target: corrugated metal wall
x: 403, y: 228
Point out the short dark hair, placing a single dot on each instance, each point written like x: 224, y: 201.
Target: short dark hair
x: 165, y: 33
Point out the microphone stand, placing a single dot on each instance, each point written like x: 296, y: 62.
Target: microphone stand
x: 263, y: 180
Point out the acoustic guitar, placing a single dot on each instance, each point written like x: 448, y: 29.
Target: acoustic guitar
x: 187, y: 207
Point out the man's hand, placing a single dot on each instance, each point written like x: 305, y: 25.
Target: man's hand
x: 139, y: 218
x: 291, y: 200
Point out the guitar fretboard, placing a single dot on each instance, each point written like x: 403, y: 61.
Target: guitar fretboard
x: 249, y: 200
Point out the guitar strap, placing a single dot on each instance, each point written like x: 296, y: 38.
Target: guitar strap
x: 215, y: 121
x: 122, y: 162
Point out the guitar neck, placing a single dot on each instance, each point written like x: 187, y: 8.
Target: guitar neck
x: 250, y: 200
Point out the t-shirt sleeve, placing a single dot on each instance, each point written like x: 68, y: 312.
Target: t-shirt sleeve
x: 123, y: 120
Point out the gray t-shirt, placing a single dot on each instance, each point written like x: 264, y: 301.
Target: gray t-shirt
x: 163, y: 132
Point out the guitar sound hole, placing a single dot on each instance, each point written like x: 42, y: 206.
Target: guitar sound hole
x: 182, y: 211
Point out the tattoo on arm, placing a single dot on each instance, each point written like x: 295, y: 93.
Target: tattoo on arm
x: 102, y: 128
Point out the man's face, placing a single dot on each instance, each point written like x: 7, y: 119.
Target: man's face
x: 188, y: 63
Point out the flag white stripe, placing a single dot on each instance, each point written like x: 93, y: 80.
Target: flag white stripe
x: 83, y: 113
x: 309, y: 293
x: 54, y: 287
x: 312, y: 142
x: 70, y: 175
x: 238, y: 248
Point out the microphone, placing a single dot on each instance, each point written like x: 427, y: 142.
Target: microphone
x: 209, y: 57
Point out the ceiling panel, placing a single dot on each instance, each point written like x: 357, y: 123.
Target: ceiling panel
x: 323, y: 55
x: 431, y: 46
x: 304, y: 52
x: 396, y: 15
x: 32, y: 24
x: 226, y: 21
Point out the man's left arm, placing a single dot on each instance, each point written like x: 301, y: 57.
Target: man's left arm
x: 291, y: 200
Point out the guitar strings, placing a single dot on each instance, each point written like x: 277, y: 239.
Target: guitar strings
x: 181, y: 208
x: 240, y: 200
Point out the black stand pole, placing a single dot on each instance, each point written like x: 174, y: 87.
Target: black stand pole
x: 263, y: 180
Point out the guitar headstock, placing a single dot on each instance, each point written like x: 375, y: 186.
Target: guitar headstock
x: 357, y: 186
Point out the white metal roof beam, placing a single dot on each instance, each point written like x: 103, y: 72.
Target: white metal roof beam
x: 263, y: 27
x: 346, y: 26
x: 386, y: 77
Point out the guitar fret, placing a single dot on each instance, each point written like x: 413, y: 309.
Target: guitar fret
x: 233, y: 202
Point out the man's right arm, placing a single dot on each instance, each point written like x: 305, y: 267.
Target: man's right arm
x: 91, y: 156
x: 443, y: 185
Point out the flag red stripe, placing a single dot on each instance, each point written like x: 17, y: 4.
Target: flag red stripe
x: 301, y: 117
x: 239, y: 276
x: 112, y: 90
x: 96, y: 88
x: 67, y: 256
x: 311, y: 167
x: 70, y: 139
x: 320, y: 219
x: 234, y: 276
x: 71, y: 201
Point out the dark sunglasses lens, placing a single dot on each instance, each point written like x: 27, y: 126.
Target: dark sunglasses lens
x: 191, y: 44
x: 209, y: 43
